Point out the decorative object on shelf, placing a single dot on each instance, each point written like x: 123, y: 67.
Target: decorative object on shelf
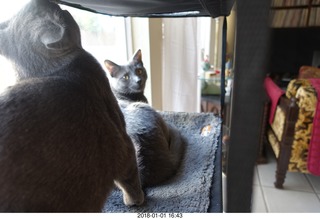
x: 210, y: 77
x: 206, y: 64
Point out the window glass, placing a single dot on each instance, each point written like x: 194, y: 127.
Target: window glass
x: 103, y: 36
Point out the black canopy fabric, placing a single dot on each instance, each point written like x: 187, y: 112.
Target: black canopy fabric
x: 154, y: 8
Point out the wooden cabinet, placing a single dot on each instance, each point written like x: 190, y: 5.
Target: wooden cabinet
x: 295, y: 13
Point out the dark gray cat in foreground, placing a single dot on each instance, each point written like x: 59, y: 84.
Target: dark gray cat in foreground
x: 159, y: 145
x: 128, y: 81
x: 63, y: 141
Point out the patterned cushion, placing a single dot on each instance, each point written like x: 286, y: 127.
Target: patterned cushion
x: 306, y: 100
x: 278, y: 123
x: 294, y: 85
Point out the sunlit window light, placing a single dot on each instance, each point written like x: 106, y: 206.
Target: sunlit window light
x: 103, y: 36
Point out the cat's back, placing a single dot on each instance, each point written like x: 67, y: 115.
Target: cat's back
x: 58, y: 134
x: 141, y: 116
x: 159, y: 146
x: 62, y: 134
x: 53, y: 100
x: 52, y: 133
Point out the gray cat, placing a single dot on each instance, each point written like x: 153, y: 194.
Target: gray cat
x: 159, y: 146
x: 128, y: 81
x: 63, y: 141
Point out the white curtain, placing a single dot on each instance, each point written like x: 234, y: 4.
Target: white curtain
x: 183, y: 41
x: 180, y: 65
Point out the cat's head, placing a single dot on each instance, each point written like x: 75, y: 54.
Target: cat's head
x: 39, y: 37
x: 130, y: 78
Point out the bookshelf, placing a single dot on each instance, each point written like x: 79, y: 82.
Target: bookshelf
x: 295, y: 13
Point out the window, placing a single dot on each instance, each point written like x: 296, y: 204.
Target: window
x: 103, y: 36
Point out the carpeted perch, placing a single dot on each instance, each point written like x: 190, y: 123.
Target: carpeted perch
x: 190, y: 190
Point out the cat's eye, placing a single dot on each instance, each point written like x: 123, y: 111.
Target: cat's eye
x: 126, y: 77
x: 139, y: 71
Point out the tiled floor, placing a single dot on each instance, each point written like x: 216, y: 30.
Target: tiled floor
x: 301, y: 192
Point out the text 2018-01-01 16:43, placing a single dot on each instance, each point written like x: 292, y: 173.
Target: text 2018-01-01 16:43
x: 159, y: 215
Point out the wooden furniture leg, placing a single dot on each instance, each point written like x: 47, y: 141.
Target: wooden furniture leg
x: 286, y: 144
x: 282, y: 166
x: 262, y: 156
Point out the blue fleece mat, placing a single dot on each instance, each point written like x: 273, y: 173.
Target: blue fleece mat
x: 189, y: 190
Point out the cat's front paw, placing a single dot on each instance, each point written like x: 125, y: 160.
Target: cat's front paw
x: 130, y: 201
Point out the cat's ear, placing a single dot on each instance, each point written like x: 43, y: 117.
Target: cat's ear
x: 137, y: 56
x: 53, y: 40
x: 57, y: 40
x: 112, y: 67
x: 60, y: 35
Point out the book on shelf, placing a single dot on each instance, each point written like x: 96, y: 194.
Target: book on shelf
x: 289, y: 18
x: 289, y: 3
x: 315, y: 2
x: 295, y: 13
x: 314, y: 19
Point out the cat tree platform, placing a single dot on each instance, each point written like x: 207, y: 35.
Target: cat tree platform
x: 197, y: 186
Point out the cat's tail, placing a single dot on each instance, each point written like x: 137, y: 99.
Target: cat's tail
x: 177, y: 145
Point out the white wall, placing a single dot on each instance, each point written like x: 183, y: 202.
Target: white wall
x: 147, y: 36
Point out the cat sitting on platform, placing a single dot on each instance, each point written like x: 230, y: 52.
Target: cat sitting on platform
x: 159, y: 145
x: 63, y: 141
